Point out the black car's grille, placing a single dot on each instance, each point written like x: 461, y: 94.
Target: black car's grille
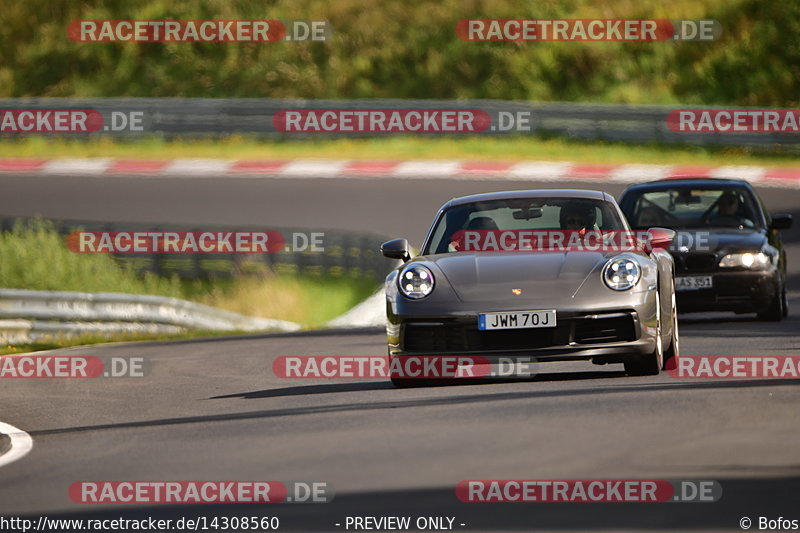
x: 438, y: 337
x: 696, y: 262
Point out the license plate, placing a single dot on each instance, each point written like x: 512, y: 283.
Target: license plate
x: 517, y: 320
x: 693, y: 283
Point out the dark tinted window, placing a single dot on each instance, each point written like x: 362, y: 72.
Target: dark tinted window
x: 523, y: 214
x: 690, y: 207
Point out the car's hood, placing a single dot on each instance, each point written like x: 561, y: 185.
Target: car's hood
x: 488, y: 276
x: 719, y: 240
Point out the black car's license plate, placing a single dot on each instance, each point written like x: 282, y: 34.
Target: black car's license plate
x: 693, y: 283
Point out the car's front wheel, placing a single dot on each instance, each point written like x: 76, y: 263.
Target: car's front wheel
x: 777, y: 309
x: 785, y: 305
x: 674, y: 349
x: 650, y: 364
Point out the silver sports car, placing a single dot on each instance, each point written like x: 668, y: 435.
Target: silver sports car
x: 553, y: 275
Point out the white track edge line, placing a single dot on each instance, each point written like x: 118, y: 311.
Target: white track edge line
x: 21, y: 444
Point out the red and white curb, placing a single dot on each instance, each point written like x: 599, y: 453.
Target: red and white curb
x: 344, y: 168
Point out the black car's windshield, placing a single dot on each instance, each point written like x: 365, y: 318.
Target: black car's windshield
x: 520, y: 214
x: 691, y: 207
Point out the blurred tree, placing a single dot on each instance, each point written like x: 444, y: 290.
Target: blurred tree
x: 408, y: 49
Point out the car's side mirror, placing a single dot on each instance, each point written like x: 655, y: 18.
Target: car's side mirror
x: 396, y: 249
x: 659, y: 238
x: 781, y: 221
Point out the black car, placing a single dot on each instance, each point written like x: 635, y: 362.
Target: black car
x: 728, y: 252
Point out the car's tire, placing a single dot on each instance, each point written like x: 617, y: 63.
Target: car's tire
x: 650, y: 364
x: 776, y: 311
x: 674, y: 349
x: 785, y: 304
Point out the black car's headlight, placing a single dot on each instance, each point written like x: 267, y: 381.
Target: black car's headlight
x: 415, y: 281
x: 621, y: 273
x: 751, y: 260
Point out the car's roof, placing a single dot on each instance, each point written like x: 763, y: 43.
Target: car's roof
x: 537, y: 193
x: 688, y: 182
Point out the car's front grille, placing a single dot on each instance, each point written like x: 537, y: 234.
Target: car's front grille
x: 696, y: 262
x: 442, y: 337
x: 459, y: 337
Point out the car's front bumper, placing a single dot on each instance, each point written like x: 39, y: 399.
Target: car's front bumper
x: 611, y: 336
x: 738, y: 291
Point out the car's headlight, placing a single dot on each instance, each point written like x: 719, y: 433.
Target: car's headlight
x: 621, y: 273
x: 416, y: 281
x: 752, y: 260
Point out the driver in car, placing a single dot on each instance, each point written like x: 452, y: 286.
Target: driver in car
x: 576, y: 217
x: 728, y: 208
x: 649, y: 217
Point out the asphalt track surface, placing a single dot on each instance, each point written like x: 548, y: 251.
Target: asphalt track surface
x: 212, y: 409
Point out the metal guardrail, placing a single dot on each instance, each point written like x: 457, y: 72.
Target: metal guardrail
x: 27, y: 316
x: 18, y: 331
x: 204, y: 117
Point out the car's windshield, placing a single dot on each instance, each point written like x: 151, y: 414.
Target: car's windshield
x: 520, y: 214
x: 691, y: 207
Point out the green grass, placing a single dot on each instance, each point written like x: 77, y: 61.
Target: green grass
x: 307, y: 300
x: 470, y: 148
x: 34, y: 256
